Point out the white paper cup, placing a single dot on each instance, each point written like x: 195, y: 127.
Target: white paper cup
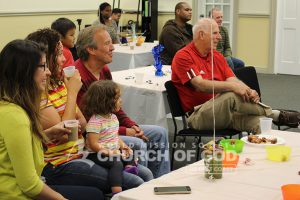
x: 131, y: 45
x: 73, y: 126
x: 265, y: 125
x: 139, y: 77
x: 69, y: 71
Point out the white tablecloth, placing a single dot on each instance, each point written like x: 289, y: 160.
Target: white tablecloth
x: 125, y: 58
x: 144, y: 103
x: 260, y: 181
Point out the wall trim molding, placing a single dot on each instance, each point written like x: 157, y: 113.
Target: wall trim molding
x: 65, y: 12
x: 254, y: 15
x: 39, y: 13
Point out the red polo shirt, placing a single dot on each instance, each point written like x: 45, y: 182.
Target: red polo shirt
x: 188, y: 63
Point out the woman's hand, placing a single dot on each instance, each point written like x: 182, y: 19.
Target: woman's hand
x: 58, y: 134
x: 73, y: 83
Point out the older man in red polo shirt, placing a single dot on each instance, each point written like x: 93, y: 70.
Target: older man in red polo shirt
x: 200, y: 73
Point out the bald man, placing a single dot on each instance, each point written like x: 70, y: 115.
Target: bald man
x: 236, y: 105
x: 176, y: 33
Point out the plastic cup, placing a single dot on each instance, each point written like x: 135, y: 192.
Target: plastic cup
x: 265, y: 125
x: 139, y: 77
x: 278, y: 153
x: 131, y: 45
x: 129, y: 39
x: 232, y: 145
x: 213, y: 166
x: 73, y: 126
x: 290, y: 191
x: 69, y: 71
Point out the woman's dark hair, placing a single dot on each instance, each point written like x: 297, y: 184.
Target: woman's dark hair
x: 19, y: 62
x: 50, y: 38
x: 101, y: 8
x: 63, y: 25
x: 100, y: 98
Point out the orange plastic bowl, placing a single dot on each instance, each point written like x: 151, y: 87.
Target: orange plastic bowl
x: 230, y: 160
x: 291, y: 191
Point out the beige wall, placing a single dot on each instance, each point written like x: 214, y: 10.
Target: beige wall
x: 253, y: 41
x: 18, y: 27
x: 254, y: 33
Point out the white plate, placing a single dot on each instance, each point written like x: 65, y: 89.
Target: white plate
x: 280, y: 140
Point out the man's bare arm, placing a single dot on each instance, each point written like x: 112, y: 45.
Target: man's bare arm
x: 231, y: 85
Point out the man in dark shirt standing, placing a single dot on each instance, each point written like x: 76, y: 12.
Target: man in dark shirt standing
x: 176, y: 33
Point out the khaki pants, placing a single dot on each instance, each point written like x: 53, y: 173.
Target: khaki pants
x: 230, y: 112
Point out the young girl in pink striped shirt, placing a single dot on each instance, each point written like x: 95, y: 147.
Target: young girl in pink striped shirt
x: 107, y: 149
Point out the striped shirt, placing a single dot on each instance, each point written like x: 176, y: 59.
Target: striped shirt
x: 224, y: 44
x: 107, y: 130
x: 59, y: 154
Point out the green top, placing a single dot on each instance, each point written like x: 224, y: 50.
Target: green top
x: 21, y: 155
x: 224, y: 44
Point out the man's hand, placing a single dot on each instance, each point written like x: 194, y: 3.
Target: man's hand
x: 254, y: 97
x: 136, y: 131
x: 242, y: 90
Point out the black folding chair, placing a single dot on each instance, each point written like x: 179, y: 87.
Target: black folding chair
x: 177, y: 111
x: 249, y: 77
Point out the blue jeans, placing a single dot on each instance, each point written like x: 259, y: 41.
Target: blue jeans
x: 157, y: 156
x: 83, y: 172
x: 235, y: 63
x: 78, y: 192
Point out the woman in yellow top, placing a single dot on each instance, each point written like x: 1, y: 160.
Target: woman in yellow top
x: 23, y: 77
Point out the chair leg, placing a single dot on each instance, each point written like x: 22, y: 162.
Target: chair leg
x: 173, y: 150
x: 240, y: 135
x: 198, y: 149
x: 172, y: 158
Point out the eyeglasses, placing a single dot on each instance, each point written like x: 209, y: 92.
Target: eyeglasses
x: 43, y: 66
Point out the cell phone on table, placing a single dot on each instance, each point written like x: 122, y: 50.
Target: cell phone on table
x: 173, y: 190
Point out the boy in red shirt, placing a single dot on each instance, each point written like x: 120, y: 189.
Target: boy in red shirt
x: 66, y: 28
